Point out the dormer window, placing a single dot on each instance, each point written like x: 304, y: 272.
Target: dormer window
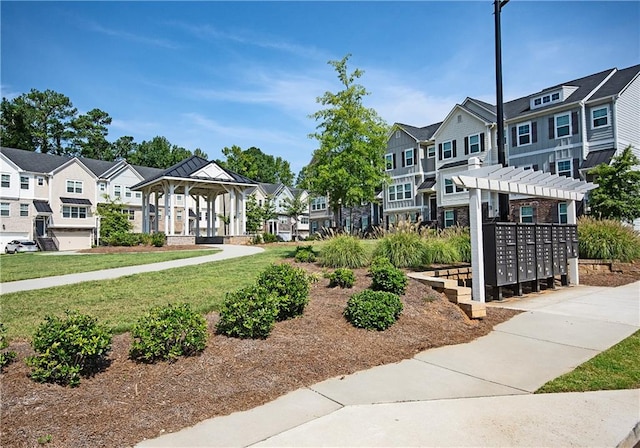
x: 547, y: 98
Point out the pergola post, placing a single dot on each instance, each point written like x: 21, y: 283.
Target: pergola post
x: 232, y: 212
x: 574, y: 272
x: 475, y: 228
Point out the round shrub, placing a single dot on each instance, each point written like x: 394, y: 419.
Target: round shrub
x: 305, y: 254
x: 403, y: 248
x: 248, y: 313
x: 373, y: 310
x: 158, y: 239
x: 343, y: 251
x: 291, y: 287
x: 6, y: 357
x: 607, y: 240
x: 342, y: 277
x: 386, y: 277
x: 167, y: 333
x: 69, y: 348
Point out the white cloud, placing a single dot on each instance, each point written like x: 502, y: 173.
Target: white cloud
x: 154, y: 41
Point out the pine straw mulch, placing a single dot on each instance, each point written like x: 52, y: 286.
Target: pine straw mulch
x: 130, y: 402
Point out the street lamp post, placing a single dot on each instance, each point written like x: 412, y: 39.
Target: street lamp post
x: 503, y: 198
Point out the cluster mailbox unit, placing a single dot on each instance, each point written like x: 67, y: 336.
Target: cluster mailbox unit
x: 515, y: 254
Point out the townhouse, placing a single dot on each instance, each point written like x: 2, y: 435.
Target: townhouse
x: 281, y: 224
x: 53, y: 199
x: 362, y: 219
x: 564, y: 129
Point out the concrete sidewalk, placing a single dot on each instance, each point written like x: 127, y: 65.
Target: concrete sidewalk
x: 475, y: 394
x: 227, y: 251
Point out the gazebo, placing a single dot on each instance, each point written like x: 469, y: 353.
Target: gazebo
x: 500, y: 179
x: 201, y: 182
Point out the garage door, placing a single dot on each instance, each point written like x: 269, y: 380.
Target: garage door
x: 5, y: 237
x: 72, y: 239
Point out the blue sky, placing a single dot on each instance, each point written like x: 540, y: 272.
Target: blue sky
x: 214, y: 74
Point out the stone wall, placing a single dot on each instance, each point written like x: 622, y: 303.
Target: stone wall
x: 181, y: 240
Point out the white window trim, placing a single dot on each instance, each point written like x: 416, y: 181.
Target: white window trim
x: 431, y: 155
x: 117, y: 191
x: 6, y: 178
x: 518, y: 135
x: 593, y: 119
x: 75, y: 186
x: 5, y: 206
x: 566, y: 213
x: 453, y: 218
x: 443, y: 150
x: 413, y: 158
x: 522, y: 214
x: 71, y: 208
x: 386, y: 156
x: 455, y: 188
x: 40, y: 181
x: 24, y: 207
x: 479, y: 144
x: 399, y: 192
x: 23, y: 183
x: 555, y: 125
x: 570, y: 170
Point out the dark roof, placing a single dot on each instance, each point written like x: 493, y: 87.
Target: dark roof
x: 147, y: 172
x: 595, y: 158
x: 454, y: 164
x: 34, y: 161
x: 522, y: 106
x: 188, y: 166
x: 421, y: 134
x: 270, y: 189
x: 42, y: 207
x: 487, y: 115
x: 617, y: 82
x: 77, y: 201
x: 428, y: 183
x: 97, y: 167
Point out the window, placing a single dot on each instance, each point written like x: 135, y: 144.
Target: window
x: 24, y: 209
x: 304, y: 220
x: 131, y: 213
x: 127, y: 192
x: 563, y: 125
x: 319, y: 203
x: 555, y: 96
x: 407, y: 191
x: 6, y: 181
x: 474, y: 143
x: 388, y: 162
x: 524, y: 134
x: 450, y: 188
x: 392, y: 193
x: 408, y: 157
x: 102, y: 187
x: 449, y: 218
x: 179, y: 197
x: 138, y: 195
x: 431, y: 152
x: 117, y: 190
x: 24, y: 182
x: 447, y: 150
x: 526, y: 213
x: 600, y: 117
x: 562, y: 212
x: 69, y: 211
x: 564, y: 168
x: 4, y: 209
x: 40, y: 181
x: 178, y: 215
x: 397, y: 134
x: 537, y: 101
x: 74, y: 186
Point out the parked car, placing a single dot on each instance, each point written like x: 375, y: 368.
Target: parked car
x: 16, y: 246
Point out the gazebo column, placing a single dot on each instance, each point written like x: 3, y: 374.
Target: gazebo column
x: 574, y: 271
x: 243, y: 212
x: 187, y: 218
x: 156, y: 222
x: 232, y: 212
x: 213, y: 216
x: 145, y: 212
x: 208, y: 197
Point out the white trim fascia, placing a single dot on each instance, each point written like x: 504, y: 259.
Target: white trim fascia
x: 547, y: 150
x: 79, y: 162
x: 188, y: 179
x: 13, y: 164
x: 480, y: 105
x: 462, y: 108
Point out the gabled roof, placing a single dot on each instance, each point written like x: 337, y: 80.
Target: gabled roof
x: 487, y: 111
x: 97, y: 167
x: 422, y: 134
x: 188, y: 169
x: 617, y: 83
x: 271, y: 189
x: 522, y: 106
x: 34, y: 162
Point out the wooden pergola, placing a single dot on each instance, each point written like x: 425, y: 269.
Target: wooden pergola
x: 500, y: 179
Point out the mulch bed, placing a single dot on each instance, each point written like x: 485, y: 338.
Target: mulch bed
x: 130, y: 402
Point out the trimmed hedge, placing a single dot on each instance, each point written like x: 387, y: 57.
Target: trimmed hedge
x: 248, y: 313
x: 373, y: 310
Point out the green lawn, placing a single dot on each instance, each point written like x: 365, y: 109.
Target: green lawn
x: 25, y: 266
x: 120, y: 302
x: 616, y: 368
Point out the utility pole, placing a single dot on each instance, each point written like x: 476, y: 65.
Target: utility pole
x: 503, y: 198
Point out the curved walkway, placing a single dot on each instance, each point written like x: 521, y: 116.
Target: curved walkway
x: 227, y: 251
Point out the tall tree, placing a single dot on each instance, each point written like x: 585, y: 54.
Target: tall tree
x: 294, y: 207
x: 158, y: 153
x: 90, y: 135
x: 16, y: 125
x: 124, y: 147
x: 618, y: 192
x: 254, y: 214
x: 349, y: 164
x: 256, y: 165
